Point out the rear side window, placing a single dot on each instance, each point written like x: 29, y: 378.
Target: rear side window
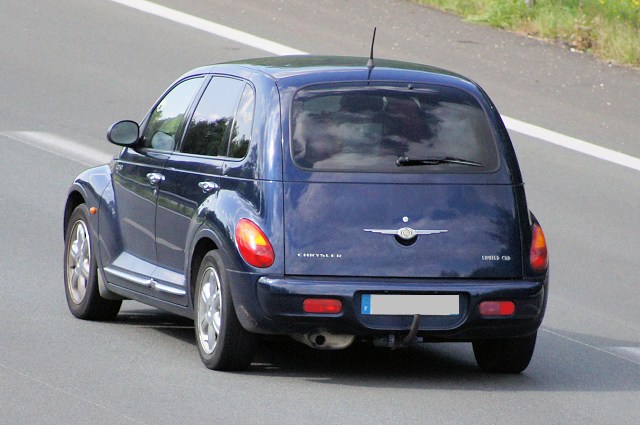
x: 391, y: 129
x: 242, y: 125
x: 210, y: 127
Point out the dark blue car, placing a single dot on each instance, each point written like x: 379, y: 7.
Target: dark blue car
x: 320, y: 198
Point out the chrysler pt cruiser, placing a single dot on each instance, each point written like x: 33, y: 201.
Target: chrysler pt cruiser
x: 322, y: 198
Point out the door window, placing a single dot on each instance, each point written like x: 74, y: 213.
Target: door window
x: 210, y: 127
x: 167, y: 117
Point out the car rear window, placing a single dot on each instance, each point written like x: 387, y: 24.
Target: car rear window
x: 392, y: 129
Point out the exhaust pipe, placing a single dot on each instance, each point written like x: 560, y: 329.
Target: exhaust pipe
x: 324, y: 340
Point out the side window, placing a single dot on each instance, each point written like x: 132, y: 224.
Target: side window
x: 243, y: 124
x: 210, y: 127
x: 167, y: 117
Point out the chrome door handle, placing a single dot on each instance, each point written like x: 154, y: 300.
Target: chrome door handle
x: 208, y: 186
x: 155, y: 178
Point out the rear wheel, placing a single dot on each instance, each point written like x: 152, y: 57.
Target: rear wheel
x: 223, y: 343
x: 506, y: 355
x: 81, y: 272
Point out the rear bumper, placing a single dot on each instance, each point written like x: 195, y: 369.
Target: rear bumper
x: 274, y: 306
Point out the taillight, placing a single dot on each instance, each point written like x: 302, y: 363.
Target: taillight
x: 253, y: 244
x: 538, y: 257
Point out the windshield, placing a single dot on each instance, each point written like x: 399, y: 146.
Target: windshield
x: 368, y: 129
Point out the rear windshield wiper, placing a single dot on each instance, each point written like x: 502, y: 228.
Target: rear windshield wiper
x: 405, y: 161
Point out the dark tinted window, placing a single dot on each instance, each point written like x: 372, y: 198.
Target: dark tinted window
x: 210, y: 127
x: 241, y: 133
x: 167, y: 117
x: 367, y: 129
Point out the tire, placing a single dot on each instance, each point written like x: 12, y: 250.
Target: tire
x: 222, y: 342
x: 507, y: 355
x: 81, y: 272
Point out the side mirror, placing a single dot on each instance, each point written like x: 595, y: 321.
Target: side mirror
x: 124, y: 133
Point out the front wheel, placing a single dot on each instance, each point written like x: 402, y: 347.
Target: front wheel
x: 505, y: 355
x: 81, y: 272
x: 223, y: 343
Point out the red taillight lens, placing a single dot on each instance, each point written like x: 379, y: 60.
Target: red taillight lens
x: 253, y: 245
x: 497, y: 308
x: 322, y: 305
x: 538, y: 257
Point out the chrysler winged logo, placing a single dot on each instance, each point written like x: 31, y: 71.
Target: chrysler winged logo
x: 405, y: 233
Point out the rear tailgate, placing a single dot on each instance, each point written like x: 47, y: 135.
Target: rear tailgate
x: 347, y: 229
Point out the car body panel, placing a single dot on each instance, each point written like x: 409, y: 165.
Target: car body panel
x: 135, y: 201
x: 148, y: 235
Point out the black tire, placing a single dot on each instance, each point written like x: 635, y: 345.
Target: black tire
x: 507, y: 355
x: 81, y: 271
x: 222, y: 342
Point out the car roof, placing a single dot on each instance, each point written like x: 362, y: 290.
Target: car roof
x: 306, y: 69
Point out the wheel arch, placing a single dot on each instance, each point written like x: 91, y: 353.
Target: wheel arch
x: 201, y: 248
x: 74, y: 199
x: 86, y: 189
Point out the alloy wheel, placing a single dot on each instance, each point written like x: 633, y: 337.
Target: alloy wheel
x: 209, y: 317
x: 78, y: 262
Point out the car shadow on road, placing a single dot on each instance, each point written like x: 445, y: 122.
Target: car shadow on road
x: 169, y: 324
x: 562, y: 362
x: 558, y: 365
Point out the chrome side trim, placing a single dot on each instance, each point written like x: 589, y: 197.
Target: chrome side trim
x: 147, y: 283
x: 166, y: 288
x: 130, y: 277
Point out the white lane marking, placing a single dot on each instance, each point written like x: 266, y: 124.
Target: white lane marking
x: 210, y: 27
x: 241, y: 37
x: 610, y: 351
x: 59, y: 146
x: 571, y: 143
x: 628, y: 352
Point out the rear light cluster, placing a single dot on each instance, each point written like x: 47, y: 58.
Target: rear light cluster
x: 538, y: 257
x: 253, y: 244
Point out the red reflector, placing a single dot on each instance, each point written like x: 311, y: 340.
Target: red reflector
x: 538, y: 256
x: 497, y: 308
x: 322, y: 305
x: 253, y: 244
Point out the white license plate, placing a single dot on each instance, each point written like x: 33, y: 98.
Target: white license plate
x: 399, y: 305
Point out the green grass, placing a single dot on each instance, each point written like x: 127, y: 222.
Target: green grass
x: 610, y: 29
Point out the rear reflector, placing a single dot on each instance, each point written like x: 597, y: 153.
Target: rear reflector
x: 253, y: 244
x: 538, y: 256
x: 497, y: 308
x: 322, y: 305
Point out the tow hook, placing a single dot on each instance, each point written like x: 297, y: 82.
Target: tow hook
x: 408, y: 339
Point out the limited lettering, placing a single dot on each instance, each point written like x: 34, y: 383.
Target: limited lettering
x: 490, y: 257
x: 496, y: 258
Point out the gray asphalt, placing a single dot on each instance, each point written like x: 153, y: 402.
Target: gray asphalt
x: 70, y: 68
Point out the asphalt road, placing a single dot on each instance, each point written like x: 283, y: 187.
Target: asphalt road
x: 70, y: 68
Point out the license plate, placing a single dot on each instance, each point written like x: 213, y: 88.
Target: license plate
x: 399, y: 305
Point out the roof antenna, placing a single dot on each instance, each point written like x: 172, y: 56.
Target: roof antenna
x: 370, y: 63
